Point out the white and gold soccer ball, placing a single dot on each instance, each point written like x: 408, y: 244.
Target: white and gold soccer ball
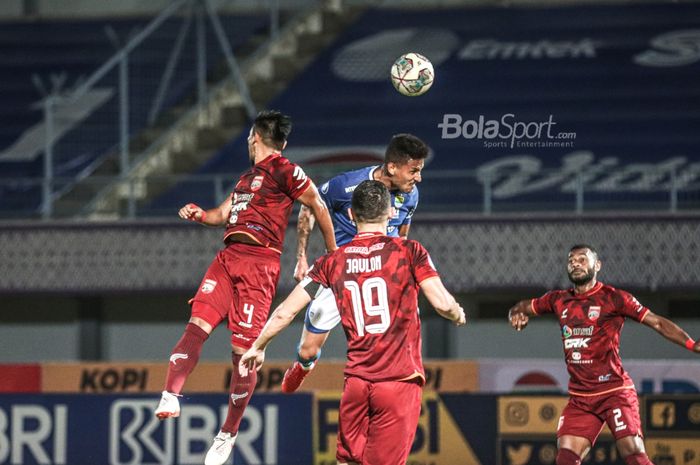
x: 412, y: 74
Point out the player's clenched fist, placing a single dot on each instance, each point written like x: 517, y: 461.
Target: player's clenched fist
x: 192, y: 212
x: 461, y: 320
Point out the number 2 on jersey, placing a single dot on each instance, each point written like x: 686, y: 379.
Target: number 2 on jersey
x: 364, y: 303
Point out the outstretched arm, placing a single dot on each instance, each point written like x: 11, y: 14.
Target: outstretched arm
x: 670, y: 331
x: 305, y: 225
x: 281, y: 318
x: 311, y: 199
x: 214, y: 217
x: 444, y: 303
x: 520, y: 313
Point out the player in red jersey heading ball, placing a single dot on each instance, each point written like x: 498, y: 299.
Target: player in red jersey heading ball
x: 239, y: 285
x: 375, y: 280
x: 591, y: 316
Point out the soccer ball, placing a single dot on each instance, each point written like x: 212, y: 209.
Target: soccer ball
x: 412, y: 74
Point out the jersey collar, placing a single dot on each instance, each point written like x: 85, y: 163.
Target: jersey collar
x: 590, y: 292
x: 365, y: 235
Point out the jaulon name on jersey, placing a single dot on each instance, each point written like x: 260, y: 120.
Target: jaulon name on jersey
x: 364, y: 265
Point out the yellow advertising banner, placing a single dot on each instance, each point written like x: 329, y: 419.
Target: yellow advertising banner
x: 442, y: 376
x: 438, y: 437
x: 674, y: 451
x: 531, y: 415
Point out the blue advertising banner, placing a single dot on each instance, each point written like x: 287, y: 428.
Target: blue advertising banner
x: 122, y: 430
x: 534, y: 102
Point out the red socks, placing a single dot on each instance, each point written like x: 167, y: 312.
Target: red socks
x: 567, y: 457
x: 638, y: 459
x: 241, y: 391
x: 184, y: 357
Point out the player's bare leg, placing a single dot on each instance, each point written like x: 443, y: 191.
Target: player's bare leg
x: 307, y: 355
x: 632, y: 450
x: 572, y: 449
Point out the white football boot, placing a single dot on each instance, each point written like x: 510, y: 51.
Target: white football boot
x: 168, y: 407
x: 221, y: 449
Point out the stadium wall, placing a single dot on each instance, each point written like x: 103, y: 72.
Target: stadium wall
x: 640, y: 252
x: 116, y: 292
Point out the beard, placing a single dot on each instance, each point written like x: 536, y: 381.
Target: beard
x: 582, y: 278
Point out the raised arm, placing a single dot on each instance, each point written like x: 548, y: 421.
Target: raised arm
x: 520, y: 314
x: 305, y: 225
x: 217, y: 216
x: 443, y: 302
x: 670, y: 331
x: 311, y: 199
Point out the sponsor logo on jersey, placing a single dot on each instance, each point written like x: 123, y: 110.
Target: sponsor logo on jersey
x: 577, y: 343
x: 208, y: 286
x: 587, y: 331
x: 566, y: 332
x: 577, y: 359
x: 175, y: 357
x: 593, y: 313
x: 257, y: 183
x: 364, y: 250
x: 604, y: 378
x: 350, y: 189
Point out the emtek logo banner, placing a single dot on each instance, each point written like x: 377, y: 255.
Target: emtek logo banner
x: 121, y: 430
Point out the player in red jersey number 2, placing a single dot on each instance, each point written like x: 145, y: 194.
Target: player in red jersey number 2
x: 591, y: 316
x: 239, y: 285
x: 375, y: 280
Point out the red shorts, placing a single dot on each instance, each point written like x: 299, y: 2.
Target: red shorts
x: 377, y: 421
x: 584, y: 416
x: 239, y: 286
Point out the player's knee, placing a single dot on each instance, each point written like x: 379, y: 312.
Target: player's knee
x: 309, y: 352
x: 567, y: 457
x: 630, y: 445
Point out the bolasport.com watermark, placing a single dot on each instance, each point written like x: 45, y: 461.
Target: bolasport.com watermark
x: 507, y: 131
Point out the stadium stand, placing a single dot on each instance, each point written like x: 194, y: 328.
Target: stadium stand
x: 75, y: 49
x: 612, y: 84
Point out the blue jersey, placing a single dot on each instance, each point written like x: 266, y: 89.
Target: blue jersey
x: 337, y: 194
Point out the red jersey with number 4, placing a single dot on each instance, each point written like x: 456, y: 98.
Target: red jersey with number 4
x: 375, y: 281
x: 590, y: 328
x: 263, y: 199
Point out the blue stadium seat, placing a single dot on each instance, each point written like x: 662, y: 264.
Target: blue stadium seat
x: 623, y: 78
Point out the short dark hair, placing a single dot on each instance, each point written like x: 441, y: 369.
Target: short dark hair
x: 584, y: 246
x: 370, y: 201
x: 405, y: 147
x: 273, y: 127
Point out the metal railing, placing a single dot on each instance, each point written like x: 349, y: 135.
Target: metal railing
x: 442, y: 191
x: 141, y: 96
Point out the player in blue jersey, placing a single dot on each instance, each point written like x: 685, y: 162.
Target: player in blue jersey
x: 400, y: 173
